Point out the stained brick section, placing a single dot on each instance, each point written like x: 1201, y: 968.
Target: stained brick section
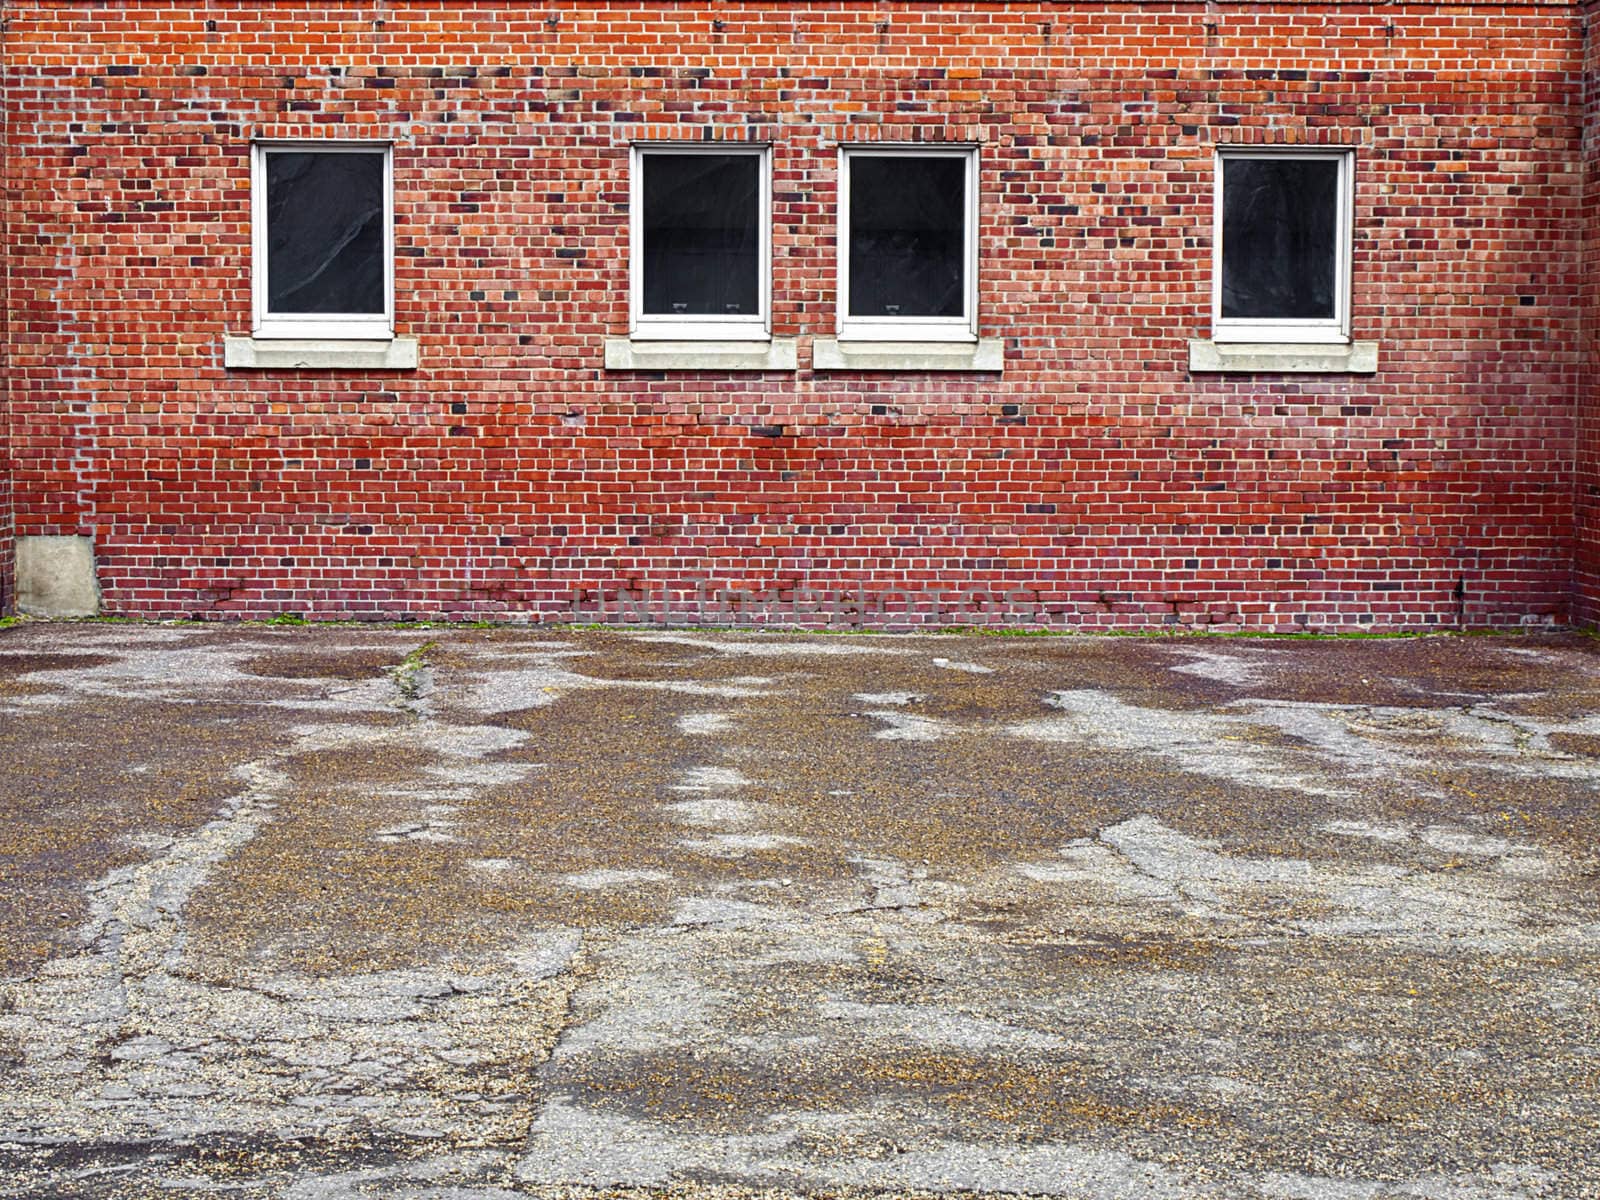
x: 1096, y: 478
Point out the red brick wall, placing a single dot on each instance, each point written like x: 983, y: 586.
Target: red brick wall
x: 7, y: 543
x: 7, y: 540
x: 1586, y: 575
x: 8, y: 593
x: 1096, y: 478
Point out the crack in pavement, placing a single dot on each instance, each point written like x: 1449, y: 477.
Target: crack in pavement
x: 120, y: 1041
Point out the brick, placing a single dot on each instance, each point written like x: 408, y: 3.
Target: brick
x: 1460, y: 484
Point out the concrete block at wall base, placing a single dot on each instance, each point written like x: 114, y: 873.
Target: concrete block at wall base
x: 55, y: 577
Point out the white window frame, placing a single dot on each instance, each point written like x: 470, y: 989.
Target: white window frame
x: 748, y: 327
x: 1287, y: 330
x: 318, y: 326
x: 909, y: 329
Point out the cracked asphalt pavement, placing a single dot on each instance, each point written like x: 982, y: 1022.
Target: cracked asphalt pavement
x: 466, y: 914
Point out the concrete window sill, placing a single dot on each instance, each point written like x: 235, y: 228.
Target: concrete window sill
x: 831, y: 354
x: 268, y: 354
x: 625, y: 354
x: 1270, y: 358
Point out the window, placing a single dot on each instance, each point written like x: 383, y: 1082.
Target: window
x: 1282, y: 245
x: 702, y: 248
x: 908, y: 244
x: 324, y: 240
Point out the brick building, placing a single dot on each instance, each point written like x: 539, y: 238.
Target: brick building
x: 1273, y: 316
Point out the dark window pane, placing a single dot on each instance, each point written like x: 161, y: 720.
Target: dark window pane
x: 1279, y: 237
x: 702, y: 234
x: 325, y: 233
x: 907, y: 236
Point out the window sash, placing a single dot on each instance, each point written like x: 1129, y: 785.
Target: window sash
x: 268, y: 324
x: 1319, y: 330
x: 911, y: 328
x: 750, y: 327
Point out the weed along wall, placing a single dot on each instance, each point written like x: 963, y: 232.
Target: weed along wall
x: 1225, y: 316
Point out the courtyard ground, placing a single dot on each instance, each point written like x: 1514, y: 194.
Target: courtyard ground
x: 338, y: 912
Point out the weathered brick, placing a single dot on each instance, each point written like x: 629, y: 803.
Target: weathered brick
x: 1586, y: 483
x: 1095, y: 476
